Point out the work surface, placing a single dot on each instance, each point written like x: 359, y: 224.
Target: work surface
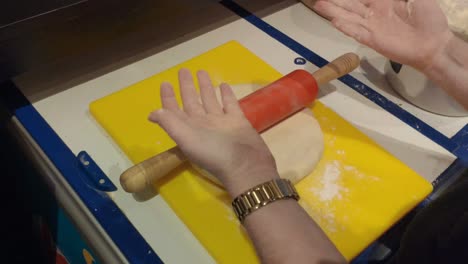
x: 154, y: 219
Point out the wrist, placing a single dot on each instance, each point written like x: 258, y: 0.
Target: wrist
x: 240, y: 182
x: 439, y: 57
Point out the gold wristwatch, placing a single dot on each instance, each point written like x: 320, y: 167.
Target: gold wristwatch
x: 263, y: 194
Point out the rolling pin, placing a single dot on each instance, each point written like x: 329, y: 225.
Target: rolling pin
x: 263, y: 108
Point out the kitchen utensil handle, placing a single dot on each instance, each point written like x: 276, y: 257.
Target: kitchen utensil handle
x: 340, y: 66
x: 144, y: 174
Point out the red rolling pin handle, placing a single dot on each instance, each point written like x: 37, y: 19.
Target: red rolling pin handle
x: 280, y: 99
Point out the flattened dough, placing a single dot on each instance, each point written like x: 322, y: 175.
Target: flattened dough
x: 296, y: 143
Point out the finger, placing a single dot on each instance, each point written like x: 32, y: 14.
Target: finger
x: 402, y: 9
x: 168, y: 99
x: 353, y: 6
x: 231, y: 105
x: 208, y: 96
x: 366, y: 2
x: 356, y: 31
x: 188, y: 93
x: 333, y: 11
x: 318, y: 7
x: 177, y: 128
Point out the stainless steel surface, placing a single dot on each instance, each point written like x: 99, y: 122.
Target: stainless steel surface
x: 420, y: 91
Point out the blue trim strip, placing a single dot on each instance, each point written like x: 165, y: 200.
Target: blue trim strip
x: 461, y: 138
x: 115, y: 223
x: 97, y: 179
x: 352, y: 82
x: 447, y: 177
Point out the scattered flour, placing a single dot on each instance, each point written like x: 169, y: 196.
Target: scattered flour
x: 330, y: 187
x: 358, y: 174
x: 323, y: 217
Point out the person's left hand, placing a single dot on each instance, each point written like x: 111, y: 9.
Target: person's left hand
x: 409, y: 32
x: 219, y: 139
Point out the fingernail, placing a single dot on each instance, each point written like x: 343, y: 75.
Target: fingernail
x: 152, y: 115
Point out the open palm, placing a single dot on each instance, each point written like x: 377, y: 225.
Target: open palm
x: 410, y: 32
x: 215, y: 136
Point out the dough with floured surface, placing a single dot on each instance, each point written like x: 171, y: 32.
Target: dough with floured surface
x: 457, y: 16
x: 296, y: 143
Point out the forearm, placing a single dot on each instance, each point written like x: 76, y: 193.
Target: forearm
x: 449, y: 70
x: 283, y: 232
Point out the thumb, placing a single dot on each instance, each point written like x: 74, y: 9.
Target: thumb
x: 173, y: 124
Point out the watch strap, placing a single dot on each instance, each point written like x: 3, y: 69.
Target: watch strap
x: 263, y: 194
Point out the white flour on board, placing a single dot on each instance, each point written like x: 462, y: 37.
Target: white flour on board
x: 324, y: 217
x: 327, y: 191
x: 330, y: 187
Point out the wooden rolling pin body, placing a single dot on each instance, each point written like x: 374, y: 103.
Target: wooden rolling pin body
x: 305, y: 86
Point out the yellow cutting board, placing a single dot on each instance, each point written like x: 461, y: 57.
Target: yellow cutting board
x: 357, y: 191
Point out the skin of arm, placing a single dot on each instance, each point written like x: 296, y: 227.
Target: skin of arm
x: 414, y: 33
x: 449, y: 70
x: 282, y: 231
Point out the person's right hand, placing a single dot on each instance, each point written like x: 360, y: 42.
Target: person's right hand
x: 215, y: 136
x: 410, y: 32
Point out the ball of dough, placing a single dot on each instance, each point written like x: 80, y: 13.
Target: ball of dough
x: 457, y: 15
x: 296, y: 143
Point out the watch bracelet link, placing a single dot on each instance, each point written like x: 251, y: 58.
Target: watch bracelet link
x: 261, y: 195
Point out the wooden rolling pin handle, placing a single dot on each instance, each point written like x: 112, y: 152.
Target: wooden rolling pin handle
x: 340, y: 66
x: 144, y: 174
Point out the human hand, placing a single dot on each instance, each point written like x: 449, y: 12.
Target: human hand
x: 410, y: 32
x: 217, y: 138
